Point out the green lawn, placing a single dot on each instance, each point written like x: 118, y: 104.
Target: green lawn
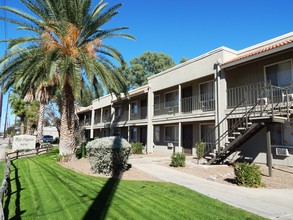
x: 42, y: 189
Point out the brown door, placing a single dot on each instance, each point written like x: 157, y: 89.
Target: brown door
x: 187, y: 138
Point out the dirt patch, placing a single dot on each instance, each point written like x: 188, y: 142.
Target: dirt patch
x: 282, y: 176
x: 83, y: 166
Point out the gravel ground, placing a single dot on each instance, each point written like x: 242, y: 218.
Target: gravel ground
x: 282, y: 176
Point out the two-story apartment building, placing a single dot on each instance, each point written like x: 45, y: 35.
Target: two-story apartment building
x: 237, y: 102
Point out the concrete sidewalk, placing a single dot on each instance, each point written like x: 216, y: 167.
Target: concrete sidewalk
x: 269, y: 203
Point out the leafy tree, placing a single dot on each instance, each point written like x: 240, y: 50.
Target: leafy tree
x: 68, y: 39
x: 183, y: 60
x: 18, y: 106
x: 146, y: 65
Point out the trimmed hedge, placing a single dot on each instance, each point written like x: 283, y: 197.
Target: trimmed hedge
x: 108, y: 155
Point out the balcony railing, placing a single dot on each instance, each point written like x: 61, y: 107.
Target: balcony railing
x: 85, y: 122
x: 166, y: 108
x: 204, y: 102
x: 140, y: 114
x: 252, y: 94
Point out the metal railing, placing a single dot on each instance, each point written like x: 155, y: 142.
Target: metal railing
x: 204, y: 102
x: 273, y: 101
x: 166, y: 108
x: 140, y: 114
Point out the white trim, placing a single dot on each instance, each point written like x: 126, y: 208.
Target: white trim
x: 276, y: 63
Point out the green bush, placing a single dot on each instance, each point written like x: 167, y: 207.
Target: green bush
x: 81, y: 151
x: 247, y: 175
x: 137, y: 148
x: 200, y: 150
x: 108, y: 155
x: 178, y: 160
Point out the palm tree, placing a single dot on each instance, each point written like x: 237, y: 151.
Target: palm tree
x: 70, y: 42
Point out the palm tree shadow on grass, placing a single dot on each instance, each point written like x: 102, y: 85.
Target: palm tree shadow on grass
x: 102, y: 202
x: 18, y: 211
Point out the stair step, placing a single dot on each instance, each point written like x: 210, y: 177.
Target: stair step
x: 208, y: 157
x: 241, y: 128
x: 236, y: 133
x: 232, y: 138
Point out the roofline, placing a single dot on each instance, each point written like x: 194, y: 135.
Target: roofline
x: 223, y: 48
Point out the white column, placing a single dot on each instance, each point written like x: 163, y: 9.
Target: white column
x: 92, y: 124
x: 101, y: 119
x: 128, y: 133
x: 129, y: 110
x: 150, y: 128
x: 179, y: 96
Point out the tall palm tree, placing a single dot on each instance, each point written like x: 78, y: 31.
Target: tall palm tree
x: 69, y: 40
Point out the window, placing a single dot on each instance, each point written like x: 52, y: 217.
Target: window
x: 133, y: 134
x: 134, y: 107
x: 157, y: 102
x: 171, y: 99
x: 206, y: 91
x: 279, y: 74
x: 157, y: 134
x: 171, y: 133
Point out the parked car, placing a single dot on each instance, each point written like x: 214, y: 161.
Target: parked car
x: 47, y: 139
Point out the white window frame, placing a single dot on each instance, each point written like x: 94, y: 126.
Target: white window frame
x: 159, y: 102
x: 173, y: 91
x: 169, y: 141
x: 132, y: 112
x: 276, y: 63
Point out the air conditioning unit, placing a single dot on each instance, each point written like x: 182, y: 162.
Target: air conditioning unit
x: 282, y: 152
x: 170, y: 109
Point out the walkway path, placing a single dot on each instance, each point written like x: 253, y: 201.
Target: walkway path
x: 270, y: 203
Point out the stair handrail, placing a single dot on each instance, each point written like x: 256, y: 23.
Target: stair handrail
x: 213, y: 130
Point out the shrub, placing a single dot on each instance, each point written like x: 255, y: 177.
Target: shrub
x: 178, y: 160
x: 200, y: 150
x: 108, y: 155
x: 137, y: 148
x: 247, y: 175
x: 81, y: 151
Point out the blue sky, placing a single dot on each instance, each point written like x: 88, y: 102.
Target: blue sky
x: 189, y: 28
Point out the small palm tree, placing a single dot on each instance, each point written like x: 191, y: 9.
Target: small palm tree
x: 69, y: 41
x: 18, y: 106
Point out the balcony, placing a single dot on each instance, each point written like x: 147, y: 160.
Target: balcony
x: 166, y: 108
x: 204, y: 102
x: 141, y: 113
x: 262, y: 93
x: 85, y: 122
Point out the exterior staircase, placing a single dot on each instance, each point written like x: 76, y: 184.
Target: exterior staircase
x: 244, y: 126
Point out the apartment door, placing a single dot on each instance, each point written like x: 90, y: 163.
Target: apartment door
x: 143, y: 135
x: 187, y: 138
x: 143, y: 108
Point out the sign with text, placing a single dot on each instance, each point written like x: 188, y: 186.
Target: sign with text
x: 21, y: 142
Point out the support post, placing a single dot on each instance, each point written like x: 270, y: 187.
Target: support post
x: 269, y: 153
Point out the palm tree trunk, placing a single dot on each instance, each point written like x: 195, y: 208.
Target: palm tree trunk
x: 21, y: 125
x: 67, y: 141
x: 40, y: 121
